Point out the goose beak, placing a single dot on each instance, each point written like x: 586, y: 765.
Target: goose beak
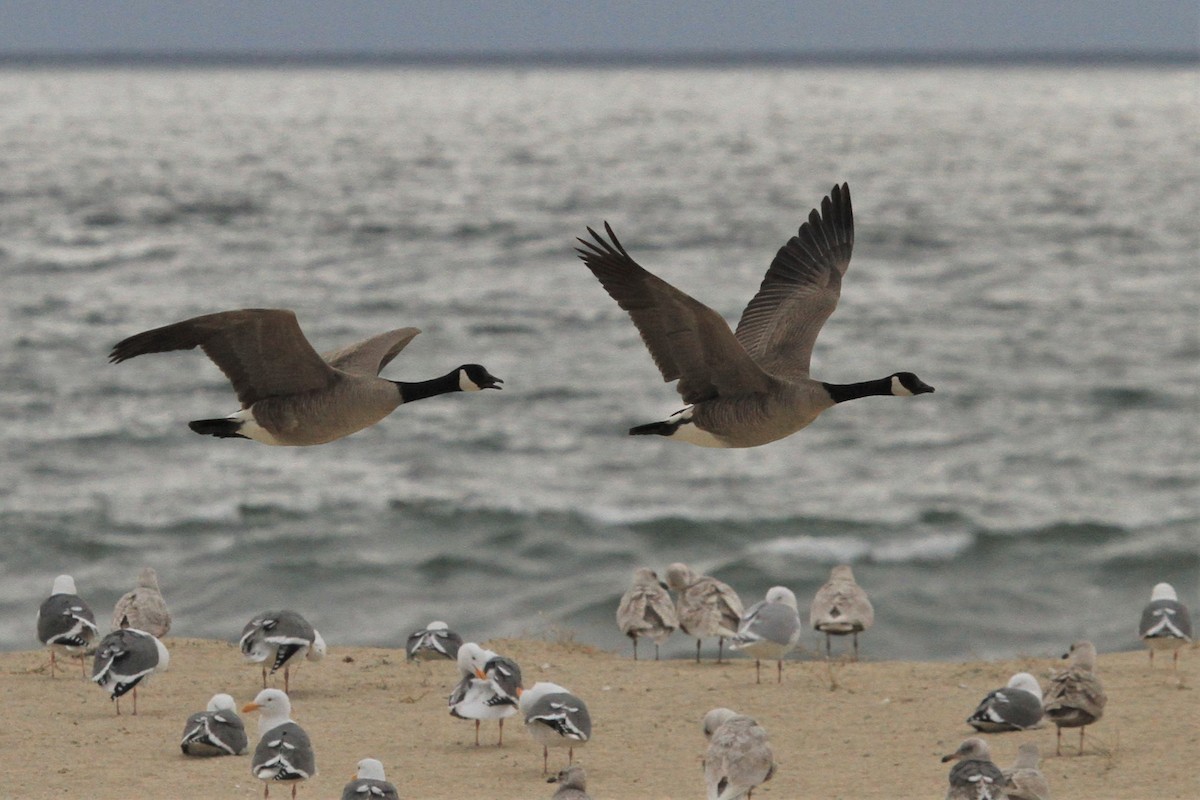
x: 491, y: 382
x: 246, y: 709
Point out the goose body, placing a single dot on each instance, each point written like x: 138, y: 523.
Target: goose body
x: 289, y: 394
x: 751, y: 386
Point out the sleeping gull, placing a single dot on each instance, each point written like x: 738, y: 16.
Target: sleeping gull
x: 1075, y: 698
x: 841, y: 607
x: 217, y: 731
x: 706, y: 607
x: 143, y: 607
x: 1016, y: 707
x: 284, y: 751
x: 435, y: 641
x: 555, y: 718
x: 125, y: 658
x: 477, y: 696
x: 646, y: 610
x: 1023, y: 780
x: 279, y: 638
x: 65, y: 623
x: 572, y: 784
x: 738, y: 757
x: 770, y: 630
x: 974, y: 777
x: 1165, y: 623
x: 369, y: 783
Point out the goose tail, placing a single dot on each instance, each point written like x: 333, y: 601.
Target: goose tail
x: 664, y: 428
x: 224, y: 428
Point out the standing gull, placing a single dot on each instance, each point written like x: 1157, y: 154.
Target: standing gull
x: 143, y: 607
x: 217, y: 731
x: 125, y: 658
x: 369, y: 783
x: 477, y: 696
x: 738, y: 757
x: 65, y: 623
x: 555, y: 718
x: 841, y: 607
x: 433, y: 642
x: 646, y: 610
x: 284, y: 751
x: 706, y: 607
x: 1075, y: 698
x: 1016, y: 707
x: 1023, y: 780
x: 974, y: 777
x: 289, y: 394
x: 572, y: 783
x: 770, y: 630
x: 1165, y: 623
x: 752, y: 386
x: 279, y: 638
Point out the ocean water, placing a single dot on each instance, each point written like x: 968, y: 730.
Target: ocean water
x: 1026, y: 241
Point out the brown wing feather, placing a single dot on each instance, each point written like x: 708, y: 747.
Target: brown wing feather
x: 262, y: 351
x: 800, y: 290
x: 370, y: 356
x: 687, y: 340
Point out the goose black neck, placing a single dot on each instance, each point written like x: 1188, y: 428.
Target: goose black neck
x: 419, y: 390
x: 841, y: 392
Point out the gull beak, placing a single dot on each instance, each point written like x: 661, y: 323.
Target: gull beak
x: 520, y: 691
x: 246, y: 709
x: 552, y: 779
x: 950, y: 757
x: 480, y: 673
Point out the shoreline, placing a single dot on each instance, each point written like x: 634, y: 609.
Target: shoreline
x: 839, y: 729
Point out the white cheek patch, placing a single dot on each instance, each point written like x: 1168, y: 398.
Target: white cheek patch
x: 465, y: 383
x: 899, y: 389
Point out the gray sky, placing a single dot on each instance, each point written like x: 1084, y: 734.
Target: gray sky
x: 601, y: 26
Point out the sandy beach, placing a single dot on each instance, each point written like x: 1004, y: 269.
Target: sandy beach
x: 840, y: 730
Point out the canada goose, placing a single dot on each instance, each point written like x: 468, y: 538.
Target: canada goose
x: 290, y: 395
x: 751, y: 387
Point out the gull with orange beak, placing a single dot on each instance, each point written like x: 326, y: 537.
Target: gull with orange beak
x: 480, y: 695
x: 369, y: 783
x: 284, y: 751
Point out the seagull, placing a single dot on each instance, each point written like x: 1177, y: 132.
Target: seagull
x: 750, y: 387
x: 1023, y: 780
x: 284, y: 751
x: 555, y: 718
x: 125, y: 658
x: 477, y: 696
x: 143, y: 607
x: 369, y: 783
x: 434, y: 641
x: 289, y: 394
x: 646, y: 610
x: 572, y: 784
x: 217, y: 731
x: 1016, y: 707
x: 65, y: 623
x: 974, y: 777
x: 770, y: 630
x: 279, y: 638
x: 1165, y: 624
x: 841, y: 607
x: 705, y: 606
x: 738, y: 758
x: 1075, y: 698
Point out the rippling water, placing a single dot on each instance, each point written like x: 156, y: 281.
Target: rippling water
x: 1026, y: 242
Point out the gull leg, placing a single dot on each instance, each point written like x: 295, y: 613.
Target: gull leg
x: 117, y: 700
x: 757, y: 671
x: 856, y: 645
x: 294, y: 787
x: 286, y: 675
x: 828, y: 651
x: 635, y: 648
x: 82, y: 666
x: 656, y: 651
x: 1058, y: 741
x: 135, y: 701
x: 720, y: 648
x: 500, y: 742
x: 1175, y: 661
x: 1081, y: 732
x: 697, y: 651
x: 266, y: 790
x: 545, y: 759
x: 779, y: 671
x: 570, y: 756
x: 477, y: 733
x: 52, y: 663
x: 264, y: 670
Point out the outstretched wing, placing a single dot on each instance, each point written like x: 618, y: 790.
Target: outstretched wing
x: 687, y: 339
x: 370, y: 356
x: 800, y: 290
x: 262, y: 351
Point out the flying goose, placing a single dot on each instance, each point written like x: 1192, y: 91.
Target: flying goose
x: 290, y: 394
x: 749, y: 387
